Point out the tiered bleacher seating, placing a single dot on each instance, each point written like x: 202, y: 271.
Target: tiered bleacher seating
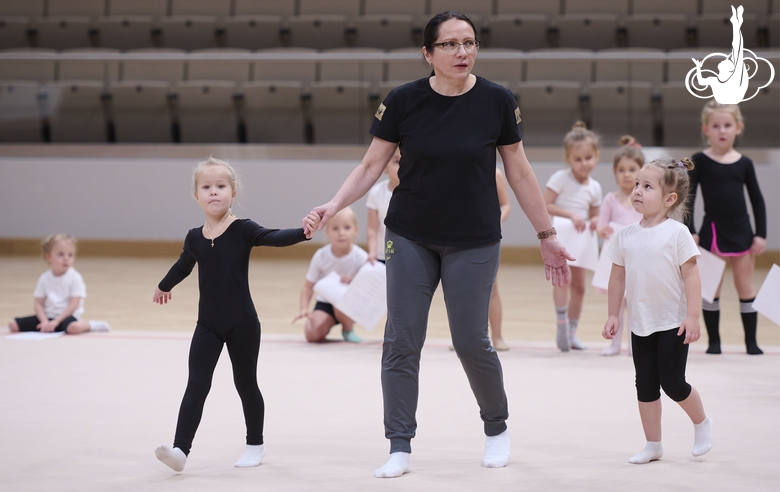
x: 68, y: 57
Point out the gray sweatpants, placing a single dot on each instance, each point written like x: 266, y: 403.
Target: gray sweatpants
x: 413, y: 273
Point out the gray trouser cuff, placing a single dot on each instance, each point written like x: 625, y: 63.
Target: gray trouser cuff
x: 400, y: 445
x: 495, y: 428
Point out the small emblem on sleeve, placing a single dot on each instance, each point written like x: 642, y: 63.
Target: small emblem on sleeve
x: 380, y: 112
x: 517, y: 116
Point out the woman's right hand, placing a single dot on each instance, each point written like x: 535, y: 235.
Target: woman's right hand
x: 556, y: 258
x: 604, y: 231
x: 325, y: 211
x: 161, y: 297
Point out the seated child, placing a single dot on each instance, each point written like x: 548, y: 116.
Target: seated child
x: 342, y: 256
x: 59, y: 295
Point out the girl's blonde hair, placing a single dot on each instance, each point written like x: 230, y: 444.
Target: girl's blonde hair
x: 675, y: 180
x: 629, y: 149
x: 711, y: 107
x: 580, y: 133
x: 211, y: 161
x: 49, y: 241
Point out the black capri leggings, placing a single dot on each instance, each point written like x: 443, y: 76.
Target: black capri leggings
x: 659, y: 361
x: 243, y: 344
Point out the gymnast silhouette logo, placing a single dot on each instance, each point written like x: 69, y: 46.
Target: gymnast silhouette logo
x: 730, y: 84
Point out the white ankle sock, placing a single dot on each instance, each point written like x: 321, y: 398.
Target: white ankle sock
x: 562, y: 329
x: 611, y: 349
x: 496, y: 450
x: 576, y: 343
x: 397, y: 465
x: 96, y: 325
x: 173, y: 457
x: 252, y: 456
x: 652, y: 451
x: 702, y: 440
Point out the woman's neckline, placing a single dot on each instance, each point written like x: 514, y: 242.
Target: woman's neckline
x: 467, y: 91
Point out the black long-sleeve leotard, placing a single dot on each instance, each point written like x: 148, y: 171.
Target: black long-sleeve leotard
x: 722, y: 188
x: 223, y: 270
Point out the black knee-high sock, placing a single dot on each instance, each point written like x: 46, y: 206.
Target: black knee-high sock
x: 711, y: 313
x: 750, y: 324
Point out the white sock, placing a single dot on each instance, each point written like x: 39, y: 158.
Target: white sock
x: 173, y: 457
x: 652, y: 451
x: 96, y: 325
x: 576, y: 343
x: 702, y: 440
x: 397, y: 465
x: 252, y: 456
x: 496, y: 450
x: 562, y: 326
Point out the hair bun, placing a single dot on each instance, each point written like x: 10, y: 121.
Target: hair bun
x: 687, y: 163
x: 579, y: 125
x: 627, y: 140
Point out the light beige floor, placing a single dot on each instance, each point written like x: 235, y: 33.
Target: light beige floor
x: 120, y: 291
x: 85, y: 412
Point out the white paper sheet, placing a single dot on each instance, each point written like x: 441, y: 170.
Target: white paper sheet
x: 34, y: 335
x: 365, y: 301
x: 330, y: 287
x: 711, y: 272
x: 768, y: 299
x: 584, y: 246
x: 604, y: 267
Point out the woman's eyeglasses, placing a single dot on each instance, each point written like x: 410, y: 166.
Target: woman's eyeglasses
x: 453, y: 46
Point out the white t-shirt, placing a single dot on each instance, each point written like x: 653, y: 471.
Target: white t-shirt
x: 654, y: 287
x: 57, y: 291
x: 575, y: 196
x: 379, y: 199
x: 324, y: 261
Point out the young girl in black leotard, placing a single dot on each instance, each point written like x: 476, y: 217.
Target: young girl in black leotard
x: 226, y: 314
x: 724, y: 174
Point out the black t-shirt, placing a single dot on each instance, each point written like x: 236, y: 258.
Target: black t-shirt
x: 447, y: 193
x: 223, y: 270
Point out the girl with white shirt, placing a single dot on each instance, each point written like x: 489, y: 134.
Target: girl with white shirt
x: 571, y: 193
x: 654, y: 265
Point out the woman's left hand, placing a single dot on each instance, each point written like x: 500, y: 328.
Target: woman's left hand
x: 555, y: 256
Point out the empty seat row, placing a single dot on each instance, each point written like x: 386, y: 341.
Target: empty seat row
x: 215, y: 111
x: 342, y: 112
x: 308, y: 65
x: 530, y: 31
x: 97, y: 8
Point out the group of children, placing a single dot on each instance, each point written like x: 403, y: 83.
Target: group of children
x: 723, y: 174
x: 654, y: 275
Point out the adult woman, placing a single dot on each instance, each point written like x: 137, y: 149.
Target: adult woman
x: 443, y: 223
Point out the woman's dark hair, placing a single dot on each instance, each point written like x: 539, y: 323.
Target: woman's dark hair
x: 431, y: 32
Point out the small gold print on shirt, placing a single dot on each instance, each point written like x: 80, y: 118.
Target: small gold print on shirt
x: 517, y: 116
x: 380, y: 112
